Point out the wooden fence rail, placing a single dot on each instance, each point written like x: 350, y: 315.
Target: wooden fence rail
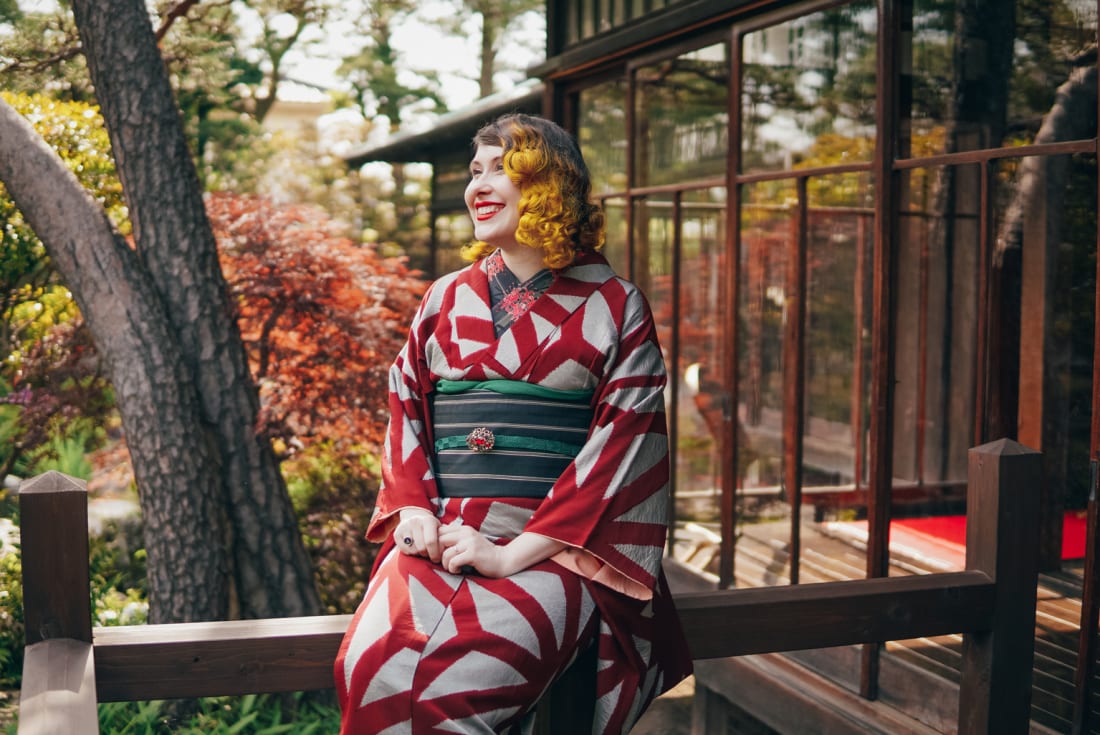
x: 992, y: 603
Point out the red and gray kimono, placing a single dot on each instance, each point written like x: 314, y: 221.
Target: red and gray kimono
x: 429, y: 651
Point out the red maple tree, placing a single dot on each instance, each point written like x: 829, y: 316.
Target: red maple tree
x: 322, y: 318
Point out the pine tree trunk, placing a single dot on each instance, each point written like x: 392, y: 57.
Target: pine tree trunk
x: 488, y: 50
x: 271, y: 569
x: 188, y: 565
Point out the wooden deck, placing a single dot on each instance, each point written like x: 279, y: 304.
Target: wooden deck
x: 762, y: 560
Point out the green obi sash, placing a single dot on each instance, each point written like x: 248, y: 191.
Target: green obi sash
x: 505, y: 438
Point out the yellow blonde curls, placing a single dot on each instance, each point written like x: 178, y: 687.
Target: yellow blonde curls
x: 543, y: 161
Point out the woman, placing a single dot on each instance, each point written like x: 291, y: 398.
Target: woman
x: 524, y: 485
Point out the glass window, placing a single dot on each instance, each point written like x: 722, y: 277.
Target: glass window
x: 838, y: 309
x: 682, y: 117
x: 601, y: 133
x: 808, y: 90
x: 698, y: 412
x: 1046, y: 211
x: 986, y: 74
x: 767, y: 224
x: 652, y: 258
x: 936, y: 343
x: 614, y: 248
x: 588, y: 17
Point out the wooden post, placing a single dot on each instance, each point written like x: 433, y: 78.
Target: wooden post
x: 58, y: 692
x: 53, y: 514
x: 1002, y: 540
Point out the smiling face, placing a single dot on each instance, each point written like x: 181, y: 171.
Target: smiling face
x: 492, y: 198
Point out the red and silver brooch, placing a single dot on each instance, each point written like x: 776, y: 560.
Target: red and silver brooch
x: 480, y: 439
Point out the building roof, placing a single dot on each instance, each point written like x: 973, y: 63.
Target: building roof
x: 452, y: 130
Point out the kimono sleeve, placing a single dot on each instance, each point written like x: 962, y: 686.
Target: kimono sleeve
x: 407, y: 478
x: 610, y: 506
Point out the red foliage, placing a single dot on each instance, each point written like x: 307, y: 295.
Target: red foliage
x: 58, y: 386
x: 322, y: 318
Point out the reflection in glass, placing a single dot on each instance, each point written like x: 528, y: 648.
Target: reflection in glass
x: 698, y: 415
x: 688, y: 316
x: 808, y: 90
x: 601, y: 133
x: 1046, y: 207
x: 652, y: 256
x: 767, y: 224
x: 937, y: 332
x: 984, y: 75
x: 614, y: 248
x: 838, y: 307
x: 682, y: 117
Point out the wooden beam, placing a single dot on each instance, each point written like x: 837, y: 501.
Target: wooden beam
x: 58, y: 693
x: 790, y: 618
x: 292, y: 654
x: 217, y: 658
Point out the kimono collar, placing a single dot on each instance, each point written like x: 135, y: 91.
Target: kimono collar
x: 472, y: 321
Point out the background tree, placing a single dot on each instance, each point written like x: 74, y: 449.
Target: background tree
x: 225, y: 79
x: 321, y: 319
x: 282, y: 25
x: 498, y: 19
x: 53, y: 391
x: 41, y: 51
x: 216, y: 510
x: 375, y: 74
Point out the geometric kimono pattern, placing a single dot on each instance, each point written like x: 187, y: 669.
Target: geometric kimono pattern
x: 433, y: 652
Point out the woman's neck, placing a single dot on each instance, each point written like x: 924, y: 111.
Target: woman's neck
x: 523, y: 261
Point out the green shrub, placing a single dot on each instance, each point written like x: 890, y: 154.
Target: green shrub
x: 333, y: 491
x: 297, y: 714
x: 11, y: 617
x: 116, y: 559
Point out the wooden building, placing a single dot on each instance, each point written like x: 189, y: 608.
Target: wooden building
x: 868, y: 230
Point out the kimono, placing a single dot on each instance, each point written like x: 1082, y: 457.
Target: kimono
x: 430, y: 651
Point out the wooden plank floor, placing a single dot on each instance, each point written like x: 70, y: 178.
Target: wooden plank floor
x: 762, y: 559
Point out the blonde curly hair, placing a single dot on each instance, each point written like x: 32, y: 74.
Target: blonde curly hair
x: 555, y: 213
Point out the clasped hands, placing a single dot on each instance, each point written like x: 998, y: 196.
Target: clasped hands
x: 452, y: 545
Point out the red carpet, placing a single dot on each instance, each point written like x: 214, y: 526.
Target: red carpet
x: 942, y: 539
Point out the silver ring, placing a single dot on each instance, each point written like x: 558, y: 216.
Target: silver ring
x: 407, y: 541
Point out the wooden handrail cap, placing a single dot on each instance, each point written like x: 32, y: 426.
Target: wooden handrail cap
x: 52, y: 481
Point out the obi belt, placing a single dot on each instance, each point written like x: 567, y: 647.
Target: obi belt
x: 505, y: 438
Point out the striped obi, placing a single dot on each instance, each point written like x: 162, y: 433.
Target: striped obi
x: 505, y: 438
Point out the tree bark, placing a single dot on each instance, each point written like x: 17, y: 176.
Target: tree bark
x: 175, y: 243
x: 488, y: 50
x: 174, y: 461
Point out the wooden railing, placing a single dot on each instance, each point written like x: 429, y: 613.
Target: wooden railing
x: 70, y: 666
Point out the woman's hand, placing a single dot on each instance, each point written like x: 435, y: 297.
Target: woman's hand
x: 417, y: 534
x: 465, y: 547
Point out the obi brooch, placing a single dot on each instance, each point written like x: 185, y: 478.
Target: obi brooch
x: 480, y: 440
